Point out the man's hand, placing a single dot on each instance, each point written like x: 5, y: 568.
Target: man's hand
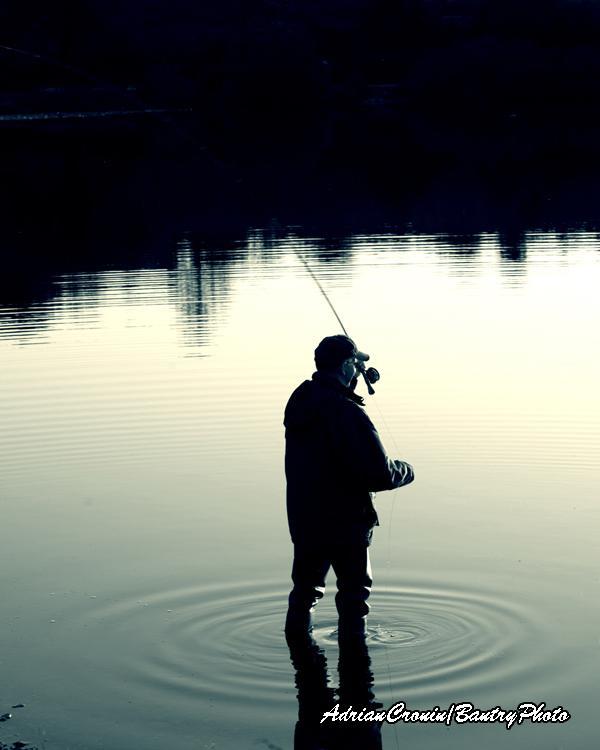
x: 405, y: 471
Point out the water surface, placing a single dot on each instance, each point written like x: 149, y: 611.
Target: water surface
x: 145, y: 553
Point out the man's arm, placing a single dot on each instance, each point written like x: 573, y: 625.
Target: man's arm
x: 366, y: 456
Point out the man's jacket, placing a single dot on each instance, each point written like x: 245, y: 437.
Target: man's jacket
x: 334, y: 460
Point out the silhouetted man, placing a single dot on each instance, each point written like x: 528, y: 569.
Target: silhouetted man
x: 334, y: 461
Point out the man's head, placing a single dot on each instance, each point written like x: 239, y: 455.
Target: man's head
x: 338, y: 356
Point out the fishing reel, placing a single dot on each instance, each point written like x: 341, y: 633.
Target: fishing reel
x: 370, y: 376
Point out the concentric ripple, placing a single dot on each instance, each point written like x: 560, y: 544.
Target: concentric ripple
x: 451, y: 640
x: 225, y: 643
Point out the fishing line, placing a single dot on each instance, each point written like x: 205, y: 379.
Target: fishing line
x: 126, y: 95
x: 52, y: 61
x: 388, y: 563
x: 163, y: 116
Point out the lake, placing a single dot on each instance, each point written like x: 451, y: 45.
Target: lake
x: 144, y: 543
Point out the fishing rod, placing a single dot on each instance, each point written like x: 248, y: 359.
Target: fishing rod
x: 370, y: 375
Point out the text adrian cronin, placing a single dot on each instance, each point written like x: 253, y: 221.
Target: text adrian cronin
x: 455, y: 713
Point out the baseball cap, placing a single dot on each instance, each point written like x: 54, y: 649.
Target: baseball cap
x: 333, y: 350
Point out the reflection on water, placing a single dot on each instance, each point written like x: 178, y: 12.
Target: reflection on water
x: 315, y: 697
x: 145, y: 550
x: 202, y: 275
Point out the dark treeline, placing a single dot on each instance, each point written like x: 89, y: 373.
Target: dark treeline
x: 458, y: 60
x: 389, y: 94
x: 179, y: 48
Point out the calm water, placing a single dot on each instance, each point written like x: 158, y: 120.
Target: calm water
x: 144, y: 548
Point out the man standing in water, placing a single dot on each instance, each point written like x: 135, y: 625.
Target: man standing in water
x: 334, y: 461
